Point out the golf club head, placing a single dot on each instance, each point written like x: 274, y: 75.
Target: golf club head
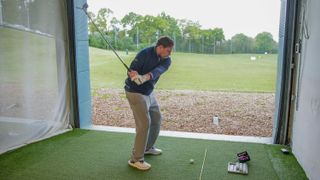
x: 85, y: 6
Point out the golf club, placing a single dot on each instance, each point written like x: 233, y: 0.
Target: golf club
x: 84, y: 8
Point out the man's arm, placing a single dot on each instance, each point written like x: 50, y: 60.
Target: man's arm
x: 160, y: 69
x: 137, y: 63
x: 135, y: 67
x: 155, y: 73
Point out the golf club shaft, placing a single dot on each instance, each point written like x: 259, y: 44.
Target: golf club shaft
x: 106, y: 40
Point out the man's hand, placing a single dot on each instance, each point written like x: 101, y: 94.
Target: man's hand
x: 139, y: 79
x: 147, y: 77
x: 133, y: 75
x: 144, y: 78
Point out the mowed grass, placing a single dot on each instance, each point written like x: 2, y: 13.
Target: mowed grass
x: 189, y: 71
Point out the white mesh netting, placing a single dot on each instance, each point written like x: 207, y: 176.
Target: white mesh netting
x: 34, y: 84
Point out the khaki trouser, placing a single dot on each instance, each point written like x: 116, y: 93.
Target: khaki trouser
x: 147, y: 117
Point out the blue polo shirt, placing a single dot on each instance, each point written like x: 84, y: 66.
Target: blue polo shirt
x: 147, y: 61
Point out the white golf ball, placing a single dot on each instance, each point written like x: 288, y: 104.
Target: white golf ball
x: 191, y: 161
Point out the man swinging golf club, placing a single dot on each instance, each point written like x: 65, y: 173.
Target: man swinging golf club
x: 143, y: 74
x: 145, y: 71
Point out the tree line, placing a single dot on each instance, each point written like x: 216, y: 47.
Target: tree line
x: 135, y: 31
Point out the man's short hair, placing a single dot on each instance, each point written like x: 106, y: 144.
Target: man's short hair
x: 165, y: 41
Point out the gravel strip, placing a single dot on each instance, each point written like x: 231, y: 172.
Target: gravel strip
x: 248, y: 114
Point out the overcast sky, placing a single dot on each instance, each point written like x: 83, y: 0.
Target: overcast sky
x: 234, y: 16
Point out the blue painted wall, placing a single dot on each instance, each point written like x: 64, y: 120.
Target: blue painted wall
x: 82, y: 64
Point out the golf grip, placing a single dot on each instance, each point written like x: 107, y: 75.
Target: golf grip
x: 104, y: 37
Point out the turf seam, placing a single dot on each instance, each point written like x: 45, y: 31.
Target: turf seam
x: 270, y: 160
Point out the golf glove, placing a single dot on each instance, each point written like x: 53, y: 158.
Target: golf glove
x: 140, y: 79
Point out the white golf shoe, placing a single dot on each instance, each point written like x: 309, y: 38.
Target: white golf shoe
x: 141, y: 165
x: 153, y: 151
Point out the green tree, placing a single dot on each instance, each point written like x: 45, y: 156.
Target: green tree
x: 91, y: 27
x: 242, y: 43
x: 129, y: 23
x: 114, y: 31
x: 102, y: 19
x: 130, y: 20
x: 172, y: 28
x: 190, y: 32
x: 151, y: 27
x: 212, y: 40
x: 264, y: 42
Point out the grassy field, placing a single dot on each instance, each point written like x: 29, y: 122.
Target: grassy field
x: 234, y: 72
